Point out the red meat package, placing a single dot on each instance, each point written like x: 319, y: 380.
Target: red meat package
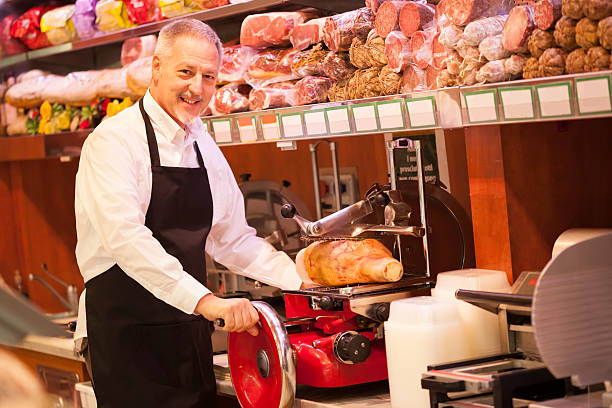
x: 27, y: 27
x: 142, y: 11
x: 271, y: 29
x: 306, y: 34
x: 232, y: 98
x: 236, y: 60
x: 8, y: 44
x: 270, y: 66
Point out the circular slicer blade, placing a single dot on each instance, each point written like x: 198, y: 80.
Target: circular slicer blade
x: 262, y: 367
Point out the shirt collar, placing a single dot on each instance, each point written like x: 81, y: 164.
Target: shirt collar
x: 166, y: 125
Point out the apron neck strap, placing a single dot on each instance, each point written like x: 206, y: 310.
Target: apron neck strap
x: 151, y: 140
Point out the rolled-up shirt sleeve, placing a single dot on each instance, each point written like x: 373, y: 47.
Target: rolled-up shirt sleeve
x: 106, y: 186
x: 235, y: 245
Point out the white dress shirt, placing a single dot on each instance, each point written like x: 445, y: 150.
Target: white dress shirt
x: 113, y: 190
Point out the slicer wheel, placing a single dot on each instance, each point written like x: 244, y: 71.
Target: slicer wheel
x: 263, y: 367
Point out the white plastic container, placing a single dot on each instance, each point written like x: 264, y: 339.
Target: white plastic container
x: 84, y: 395
x: 420, y: 331
x: 482, y: 327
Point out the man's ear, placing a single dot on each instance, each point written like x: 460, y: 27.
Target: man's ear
x: 155, y: 67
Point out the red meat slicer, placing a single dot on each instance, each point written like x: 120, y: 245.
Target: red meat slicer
x: 333, y: 336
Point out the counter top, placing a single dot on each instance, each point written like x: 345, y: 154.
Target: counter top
x: 375, y: 395
x: 57, y: 346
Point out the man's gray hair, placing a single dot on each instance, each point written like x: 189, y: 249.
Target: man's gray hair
x: 186, y: 27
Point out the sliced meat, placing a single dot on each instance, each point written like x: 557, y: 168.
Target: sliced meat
x: 398, y: 51
x: 482, y: 28
x: 236, y: 60
x: 339, y: 30
x: 421, y: 45
x: 415, y: 16
x: 518, y: 28
x: 461, y: 12
x: 306, y: 34
x: 387, y: 17
x: 312, y: 90
x: 547, y: 12
x: 270, y: 29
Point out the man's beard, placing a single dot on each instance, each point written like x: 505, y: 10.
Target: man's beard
x: 185, y: 117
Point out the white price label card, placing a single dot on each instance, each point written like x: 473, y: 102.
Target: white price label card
x: 223, y: 130
x: 292, y: 125
x: 421, y: 112
x: 365, y: 117
x: 247, y: 129
x: 554, y: 100
x: 390, y: 115
x: 338, y: 120
x: 315, y: 123
x: 593, y: 95
x: 269, y: 127
x: 517, y: 103
x: 481, y: 106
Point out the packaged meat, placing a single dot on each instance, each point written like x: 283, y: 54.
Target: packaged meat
x: 306, y: 34
x: 450, y: 36
x: 539, y: 41
x: 390, y: 81
x: 136, y: 48
x: 572, y: 9
x: 309, y: 62
x: 413, y: 80
x: 339, y: 30
x: 415, y: 16
x: 387, y: 17
x: 111, y: 15
x: 375, y: 46
x: 575, y: 63
x: 373, y: 5
x: 464, y: 11
x: 277, y: 95
x: 27, y: 27
x: 232, y: 98
x: 597, y: 59
x: 84, y: 18
x: 604, y: 32
x: 422, y: 48
x: 8, y: 44
x: 552, y: 62
x: 514, y: 64
x: 271, y: 29
x: 431, y: 75
x: 142, y: 11
x: 439, y: 53
x: 586, y: 33
x: 338, y: 92
x: 335, y: 263
x: 492, y: 48
x: 453, y: 63
x: 480, y: 29
x: 546, y: 13
x: 312, y: 89
x: 445, y: 79
x: 76, y: 88
x: 57, y: 25
x: 112, y: 83
x: 491, y: 72
x: 518, y: 28
x: 398, y: 51
x: 531, y: 69
x: 365, y: 83
x: 441, y: 19
x: 139, y: 75
x: 269, y: 66
x: 236, y: 60
x: 27, y: 94
x: 565, y: 34
x: 358, y: 54
x: 337, y: 66
x: 596, y: 9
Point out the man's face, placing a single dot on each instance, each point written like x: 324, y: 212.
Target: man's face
x: 184, y: 82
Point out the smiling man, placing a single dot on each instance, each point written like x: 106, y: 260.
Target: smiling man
x: 153, y: 191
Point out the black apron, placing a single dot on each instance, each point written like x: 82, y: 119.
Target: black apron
x: 144, y: 352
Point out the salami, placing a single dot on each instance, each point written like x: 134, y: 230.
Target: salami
x: 234, y: 64
x: 565, y: 34
x: 136, y: 48
x: 469, y: 68
x: 461, y: 12
x: 463, y: 49
x: 480, y: 29
x: 375, y: 46
x: 493, y: 71
x: 337, y: 66
x: 450, y: 36
x: 373, y: 5
x: 270, y: 29
x: 586, y: 33
x: 232, y: 98
x: 390, y: 82
x: 572, y: 9
x: 306, y: 34
x: 604, y: 32
x: 552, y: 62
x: 575, y: 63
x: 492, y: 48
x: 439, y: 53
x: 339, y: 30
x: 531, y: 69
x: 398, y: 51
x: 415, y: 16
x: 596, y: 9
x: 312, y: 89
x: 431, y: 75
x: 597, y: 59
x: 518, y: 28
x: 387, y: 17
x: 539, y: 41
x: 277, y: 95
x: 414, y: 80
x: 421, y: 45
x: 453, y: 63
x: 514, y: 64
x: 546, y: 13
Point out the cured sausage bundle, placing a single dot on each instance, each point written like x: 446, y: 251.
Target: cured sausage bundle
x: 604, y: 32
x: 575, y: 63
x: 339, y: 30
x: 335, y: 263
x: 565, y: 34
x: 539, y: 41
x: 586, y: 33
x: 597, y: 59
x: 390, y: 82
x: 552, y: 62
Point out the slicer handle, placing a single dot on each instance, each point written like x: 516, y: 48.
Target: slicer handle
x: 288, y: 210
x: 220, y: 322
